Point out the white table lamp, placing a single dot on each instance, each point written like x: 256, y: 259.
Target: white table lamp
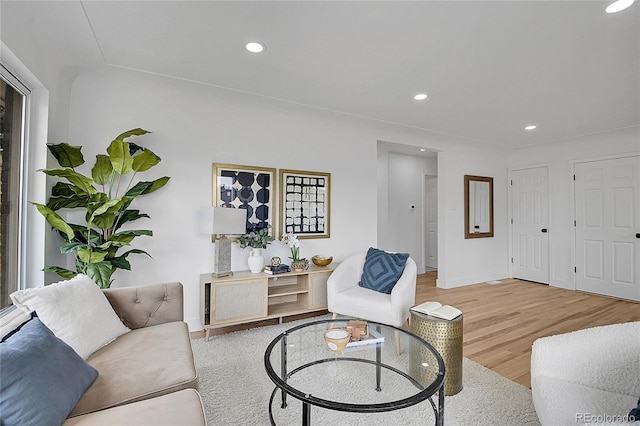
x: 220, y: 221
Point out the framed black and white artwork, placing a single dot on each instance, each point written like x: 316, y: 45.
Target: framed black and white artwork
x: 305, y: 203
x: 246, y: 187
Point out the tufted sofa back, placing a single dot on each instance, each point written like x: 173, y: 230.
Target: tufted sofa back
x: 146, y: 306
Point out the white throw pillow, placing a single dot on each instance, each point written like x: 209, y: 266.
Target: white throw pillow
x: 77, y: 312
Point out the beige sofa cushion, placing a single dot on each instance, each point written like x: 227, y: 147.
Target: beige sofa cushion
x: 177, y: 408
x: 142, y: 364
x: 146, y: 306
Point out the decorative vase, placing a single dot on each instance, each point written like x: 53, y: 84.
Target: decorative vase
x: 256, y: 260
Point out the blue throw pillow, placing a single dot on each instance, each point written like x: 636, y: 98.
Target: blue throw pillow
x: 635, y: 413
x: 382, y: 270
x: 42, y: 377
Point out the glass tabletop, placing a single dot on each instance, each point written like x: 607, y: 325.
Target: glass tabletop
x: 367, y: 376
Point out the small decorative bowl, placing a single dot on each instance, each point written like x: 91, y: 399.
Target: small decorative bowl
x: 337, y: 339
x: 321, y: 261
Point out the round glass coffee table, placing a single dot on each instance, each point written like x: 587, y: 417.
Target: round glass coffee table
x: 368, y: 376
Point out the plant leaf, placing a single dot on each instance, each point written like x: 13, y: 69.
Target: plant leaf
x: 80, y: 233
x: 128, y: 216
x: 120, y: 156
x: 63, y: 272
x: 95, y: 202
x: 122, y: 262
x: 133, y: 132
x: 72, y: 247
x: 108, y: 206
x: 137, y: 189
x: 142, y: 188
x: 57, y: 203
x: 83, y: 183
x: 67, y: 155
x: 105, y: 215
x: 55, y: 220
x: 102, y: 170
x: 63, y: 189
x: 156, y: 184
x: 100, y: 273
x: 134, y: 147
x: 125, y: 237
x: 145, y: 160
x: 88, y: 256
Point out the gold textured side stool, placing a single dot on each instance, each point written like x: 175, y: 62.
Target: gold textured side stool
x: 446, y: 337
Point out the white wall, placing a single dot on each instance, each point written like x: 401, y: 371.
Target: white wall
x: 560, y: 157
x: 466, y: 261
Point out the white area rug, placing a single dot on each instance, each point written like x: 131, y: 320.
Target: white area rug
x: 235, y: 390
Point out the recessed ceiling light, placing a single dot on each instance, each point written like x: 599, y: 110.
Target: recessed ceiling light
x: 531, y: 127
x: 420, y: 97
x: 618, y: 6
x: 254, y: 47
x: 422, y: 150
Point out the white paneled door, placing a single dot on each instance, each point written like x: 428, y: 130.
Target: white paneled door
x: 607, y: 212
x: 530, y: 224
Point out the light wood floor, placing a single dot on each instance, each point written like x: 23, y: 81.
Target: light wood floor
x: 501, y: 321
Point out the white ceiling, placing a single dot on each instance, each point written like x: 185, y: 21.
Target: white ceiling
x: 489, y: 67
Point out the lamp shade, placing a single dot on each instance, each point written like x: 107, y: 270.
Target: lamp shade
x: 223, y: 221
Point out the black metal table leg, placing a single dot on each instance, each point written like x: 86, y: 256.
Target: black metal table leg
x: 306, y: 414
x: 378, y: 361
x: 283, y: 367
x: 440, y: 417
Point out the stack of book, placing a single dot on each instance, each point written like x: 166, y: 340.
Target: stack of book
x: 280, y: 269
x: 366, y: 341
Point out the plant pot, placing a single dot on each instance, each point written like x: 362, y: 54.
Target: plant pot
x: 300, y: 265
x: 256, y: 261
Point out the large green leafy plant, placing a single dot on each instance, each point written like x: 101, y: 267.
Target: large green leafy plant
x: 105, y: 198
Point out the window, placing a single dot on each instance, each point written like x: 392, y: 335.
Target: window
x: 12, y: 119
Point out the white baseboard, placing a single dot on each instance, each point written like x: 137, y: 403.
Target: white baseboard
x: 464, y: 281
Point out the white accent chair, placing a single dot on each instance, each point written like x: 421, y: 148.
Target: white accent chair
x: 346, y: 297
x: 586, y: 375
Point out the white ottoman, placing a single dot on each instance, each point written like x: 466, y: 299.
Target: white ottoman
x: 587, y: 376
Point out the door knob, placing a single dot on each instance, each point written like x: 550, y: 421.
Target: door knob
x: 544, y: 230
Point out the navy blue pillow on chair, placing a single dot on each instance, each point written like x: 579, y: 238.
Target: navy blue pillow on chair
x: 382, y: 270
x: 42, y: 377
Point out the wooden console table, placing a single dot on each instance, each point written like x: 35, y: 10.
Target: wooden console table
x: 246, y: 297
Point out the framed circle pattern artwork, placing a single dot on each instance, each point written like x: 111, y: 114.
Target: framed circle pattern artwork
x: 246, y: 187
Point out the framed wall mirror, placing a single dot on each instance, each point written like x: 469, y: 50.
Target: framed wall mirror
x: 478, y: 206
